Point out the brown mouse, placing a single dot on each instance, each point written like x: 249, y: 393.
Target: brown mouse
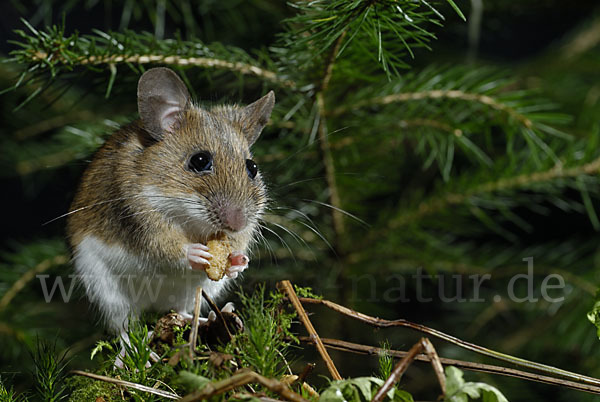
x: 157, y: 191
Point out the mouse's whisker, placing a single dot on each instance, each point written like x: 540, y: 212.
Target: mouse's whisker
x: 261, y: 239
x: 294, y: 235
x: 84, y: 208
x: 302, y: 214
x: 283, y: 242
x: 340, y: 210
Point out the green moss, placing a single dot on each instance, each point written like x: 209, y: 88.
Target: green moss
x: 85, y: 389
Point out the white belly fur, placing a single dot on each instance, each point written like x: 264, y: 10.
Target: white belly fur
x: 123, y: 284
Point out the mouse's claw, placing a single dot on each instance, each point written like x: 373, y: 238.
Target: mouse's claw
x: 198, y: 256
x: 239, y: 263
x: 154, y: 358
x: 228, y: 308
x: 189, y: 317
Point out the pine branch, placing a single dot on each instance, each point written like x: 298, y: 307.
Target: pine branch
x: 380, y: 31
x: 51, y: 52
x: 477, y: 112
x: 28, y: 276
x: 71, y: 142
x: 519, y: 182
x: 205, y: 62
x: 439, y: 94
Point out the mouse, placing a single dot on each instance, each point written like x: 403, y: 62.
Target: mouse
x: 154, y: 195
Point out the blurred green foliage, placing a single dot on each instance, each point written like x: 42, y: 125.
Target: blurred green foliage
x: 404, y: 141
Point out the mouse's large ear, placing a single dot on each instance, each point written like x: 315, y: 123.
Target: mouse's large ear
x: 255, y: 116
x: 161, y: 97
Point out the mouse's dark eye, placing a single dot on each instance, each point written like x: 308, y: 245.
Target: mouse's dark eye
x: 200, y: 162
x: 251, y: 168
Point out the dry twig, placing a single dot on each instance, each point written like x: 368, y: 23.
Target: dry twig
x: 196, y: 318
x: 436, y: 363
x: 398, y: 370
x: 287, y: 288
x: 383, y: 323
x: 351, y: 347
x: 240, y: 379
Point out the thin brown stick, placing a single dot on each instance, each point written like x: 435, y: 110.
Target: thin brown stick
x: 287, y: 288
x: 435, y: 363
x: 351, y: 347
x: 438, y: 203
x: 240, y: 379
x: 397, y: 372
x: 382, y: 323
x: 127, y: 384
x: 306, y: 371
x: 196, y: 318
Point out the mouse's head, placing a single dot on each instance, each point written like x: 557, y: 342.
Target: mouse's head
x: 198, y: 169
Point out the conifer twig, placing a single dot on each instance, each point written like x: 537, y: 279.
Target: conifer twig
x: 175, y: 60
x: 287, y: 288
x: 334, y: 196
x: 52, y: 123
x: 585, y: 40
x: 437, y: 204
x: 351, y: 347
x: 29, y: 275
x: 127, y: 384
x: 383, y: 323
x: 437, y: 94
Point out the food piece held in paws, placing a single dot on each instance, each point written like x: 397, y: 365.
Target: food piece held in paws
x: 220, y: 250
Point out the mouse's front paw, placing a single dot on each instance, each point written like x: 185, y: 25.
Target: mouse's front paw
x: 198, y: 256
x: 239, y: 262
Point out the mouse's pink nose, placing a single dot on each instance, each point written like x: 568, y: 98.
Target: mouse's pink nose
x: 235, y: 219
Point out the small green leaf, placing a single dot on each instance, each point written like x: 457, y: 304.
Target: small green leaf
x: 457, y: 390
x: 192, y: 381
x: 306, y: 292
x: 360, y: 389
